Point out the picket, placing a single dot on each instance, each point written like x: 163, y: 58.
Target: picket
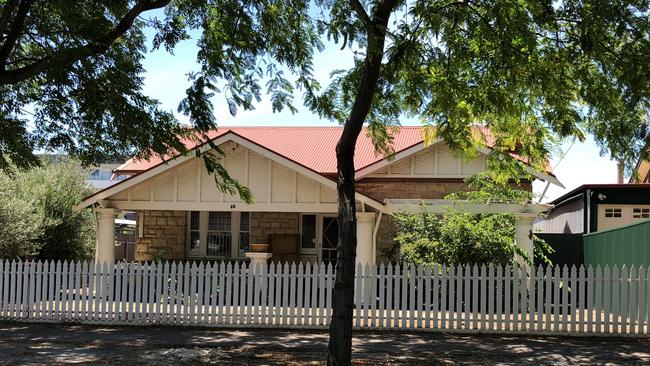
x: 328, y: 292
x: 616, y: 299
x: 632, y: 303
x: 459, y: 297
x: 443, y: 297
x: 403, y: 316
x: 382, y: 297
x: 624, y: 296
x: 490, y: 296
x: 607, y: 285
x: 592, y: 296
x: 548, y: 299
x: 467, y: 298
x: 573, y: 288
x: 642, y: 303
x: 487, y: 299
x: 411, y: 299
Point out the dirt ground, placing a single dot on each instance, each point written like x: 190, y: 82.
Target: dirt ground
x: 48, y: 344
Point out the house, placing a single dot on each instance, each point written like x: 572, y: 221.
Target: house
x: 595, y: 207
x: 101, y: 176
x: 642, y: 169
x: 291, y: 172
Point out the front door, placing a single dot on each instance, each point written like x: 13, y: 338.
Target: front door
x: 319, y: 234
x: 330, y: 238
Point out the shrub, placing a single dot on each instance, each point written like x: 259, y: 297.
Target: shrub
x: 39, y: 217
x: 458, y: 237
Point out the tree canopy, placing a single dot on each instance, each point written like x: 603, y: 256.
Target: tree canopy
x: 534, y: 72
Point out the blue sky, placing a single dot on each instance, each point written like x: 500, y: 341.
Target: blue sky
x: 166, y: 80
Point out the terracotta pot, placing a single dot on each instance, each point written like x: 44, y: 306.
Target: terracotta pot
x: 259, y: 248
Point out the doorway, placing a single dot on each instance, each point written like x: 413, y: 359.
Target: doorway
x: 329, y: 239
x: 318, y: 238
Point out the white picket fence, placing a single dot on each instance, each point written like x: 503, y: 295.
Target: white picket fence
x: 439, y: 298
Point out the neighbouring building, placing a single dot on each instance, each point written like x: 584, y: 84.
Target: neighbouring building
x: 291, y: 172
x: 595, y: 207
x: 102, y: 176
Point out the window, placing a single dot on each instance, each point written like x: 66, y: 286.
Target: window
x: 244, y: 233
x: 613, y: 212
x: 641, y: 213
x: 195, y: 233
x: 218, y: 234
x: 100, y: 175
x: 308, y: 231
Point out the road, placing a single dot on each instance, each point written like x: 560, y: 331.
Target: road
x: 47, y: 344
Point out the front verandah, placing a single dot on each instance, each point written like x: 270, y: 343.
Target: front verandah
x: 292, y: 236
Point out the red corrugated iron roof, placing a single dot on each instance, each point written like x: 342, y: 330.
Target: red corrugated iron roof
x: 312, y: 147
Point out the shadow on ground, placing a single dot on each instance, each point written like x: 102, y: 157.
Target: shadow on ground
x: 36, y: 344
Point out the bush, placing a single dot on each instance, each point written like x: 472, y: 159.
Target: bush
x: 458, y: 237
x: 39, y: 216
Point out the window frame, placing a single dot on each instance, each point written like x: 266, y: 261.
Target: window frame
x: 189, y: 250
x: 240, y: 251
x: 301, y: 227
x: 233, y: 253
x: 613, y: 212
x: 219, y: 232
x: 641, y: 213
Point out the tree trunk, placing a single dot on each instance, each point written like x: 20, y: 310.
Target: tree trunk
x: 339, y: 351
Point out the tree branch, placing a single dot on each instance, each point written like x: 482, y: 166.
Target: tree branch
x: 383, y: 10
x: 361, y: 13
x: 6, y: 13
x: 73, y: 54
x: 14, y: 33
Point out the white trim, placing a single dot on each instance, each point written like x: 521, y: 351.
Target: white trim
x: 308, y: 251
x: 317, y: 250
x: 375, y: 230
x: 132, y: 181
x: 299, y: 168
x: 222, y: 206
x: 235, y: 226
x: 124, y: 222
x: 370, y: 169
x: 442, y: 206
x: 363, y: 172
x: 229, y: 136
x: 535, y: 173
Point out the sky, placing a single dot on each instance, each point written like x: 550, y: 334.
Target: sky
x: 166, y: 79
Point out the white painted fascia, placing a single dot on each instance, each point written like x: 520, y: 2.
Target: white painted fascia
x: 300, y: 169
x: 228, y: 136
x: 441, y: 206
x: 535, y: 173
x: 160, y: 168
x: 361, y: 173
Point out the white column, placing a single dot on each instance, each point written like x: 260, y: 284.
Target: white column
x: 365, y: 227
x: 524, y: 235
x: 258, y: 259
x: 105, y: 247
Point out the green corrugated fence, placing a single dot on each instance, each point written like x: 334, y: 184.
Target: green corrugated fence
x: 626, y: 245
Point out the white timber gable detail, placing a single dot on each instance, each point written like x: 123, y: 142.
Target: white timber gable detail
x: 434, y: 161
x: 188, y: 186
